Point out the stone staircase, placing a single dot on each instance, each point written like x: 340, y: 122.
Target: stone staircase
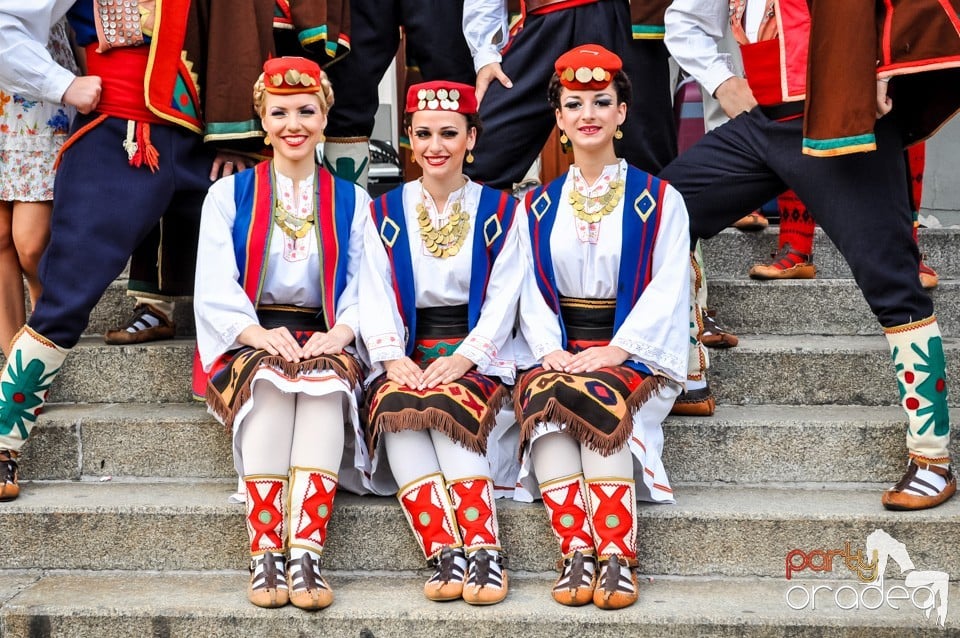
x: 125, y: 528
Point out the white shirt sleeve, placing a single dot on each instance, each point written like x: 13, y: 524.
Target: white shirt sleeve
x: 656, y: 331
x: 27, y: 68
x: 485, y: 29
x: 486, y: 345
x: 348, y: 309
x: 221, y: 307
x: 539, y: 325
x: 693, y: 29
x: 381, y: 328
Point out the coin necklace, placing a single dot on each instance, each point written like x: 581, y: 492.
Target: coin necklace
x: 592, y: 209
x: 447, y: 240
x: 292, y: 226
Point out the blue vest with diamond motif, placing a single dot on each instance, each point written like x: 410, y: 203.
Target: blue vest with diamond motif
x: 494, y: 216
x: 643, y: 194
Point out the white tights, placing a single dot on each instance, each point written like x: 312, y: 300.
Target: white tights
x: 417, y: 453
x: 291, y: 429
x: 557, y: 454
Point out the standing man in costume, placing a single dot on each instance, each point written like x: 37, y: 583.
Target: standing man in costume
x: 434, y: 42
x: 162, y: 266
x: 137, y: 150
x: 511, y: 82
x: 816, y: 113
x: 603, y: 316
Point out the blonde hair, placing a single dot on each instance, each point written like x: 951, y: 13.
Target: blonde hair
x: 324, y: 96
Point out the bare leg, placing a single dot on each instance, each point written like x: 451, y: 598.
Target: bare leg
x: 31, y: 232
x: 12, y: 311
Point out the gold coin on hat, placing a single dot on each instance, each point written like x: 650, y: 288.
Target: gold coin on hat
x: 433, y: 104
x: 442, y: 94
x: 431, y: 94
x: 422, y: 94
x: 584, y: 75
x: 599, y: 74
x: 292, y: 76
x: 568, y: 74
x: 454, y: 95
x: 276, y: 79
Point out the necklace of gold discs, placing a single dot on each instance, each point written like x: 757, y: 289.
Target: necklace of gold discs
x: 292, y: 226
x: 593, y: 209
x: 447, y: 240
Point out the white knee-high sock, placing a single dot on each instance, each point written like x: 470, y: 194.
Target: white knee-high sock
x: 318, y: 432
x: 456, y: 461
x: 411, y: 455
x: 617, y: 465
x: 266, y: 435
x: 554, y: 456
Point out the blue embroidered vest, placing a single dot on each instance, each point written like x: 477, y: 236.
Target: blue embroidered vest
x: 494, y: 216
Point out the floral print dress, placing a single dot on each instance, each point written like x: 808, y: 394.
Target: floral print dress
x: 32, y: 132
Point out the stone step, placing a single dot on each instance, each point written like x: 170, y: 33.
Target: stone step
x: 818, y: 306
x: 119, y: 604
x: 739, y: 444
x: 730, y: 254
x: 793, y: 369
x: 744, y: 306
x: 812, y: 370
x: 714, y: 530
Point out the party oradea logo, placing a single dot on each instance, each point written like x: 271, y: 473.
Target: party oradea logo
x: 925, y: 590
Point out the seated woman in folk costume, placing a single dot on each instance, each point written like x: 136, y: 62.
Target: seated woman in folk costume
x: 604, y: 313
x: 276, y: 304
x: 439, y: 288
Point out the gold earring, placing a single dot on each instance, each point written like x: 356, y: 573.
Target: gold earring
x: 413, y: 158
x: 563, y: 138
x: 469, y: 157
x: 266, y: 140
x: 618, y: 135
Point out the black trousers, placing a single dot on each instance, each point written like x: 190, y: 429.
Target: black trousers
x: 860, y: 200
x: 434, y: 39
x: 518, y: 121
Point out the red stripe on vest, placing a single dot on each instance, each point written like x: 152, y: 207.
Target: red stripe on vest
x: 328, y: 239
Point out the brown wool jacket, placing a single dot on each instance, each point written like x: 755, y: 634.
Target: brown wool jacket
x: 914, y: 43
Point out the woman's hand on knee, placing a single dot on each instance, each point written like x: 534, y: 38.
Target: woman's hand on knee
x: 557, y: 360
x: 331, y: 342
x: 593, y: 359
x: 276, y: 341
x: 405, y: 372
x: 446, y: 370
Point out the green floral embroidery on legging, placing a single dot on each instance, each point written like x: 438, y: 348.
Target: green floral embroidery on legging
x: 933, y: 388
x: 23, y: 393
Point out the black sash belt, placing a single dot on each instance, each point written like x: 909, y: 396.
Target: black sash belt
x: 588, y: 319
x: 442, y: 322
x: 294, y: 318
